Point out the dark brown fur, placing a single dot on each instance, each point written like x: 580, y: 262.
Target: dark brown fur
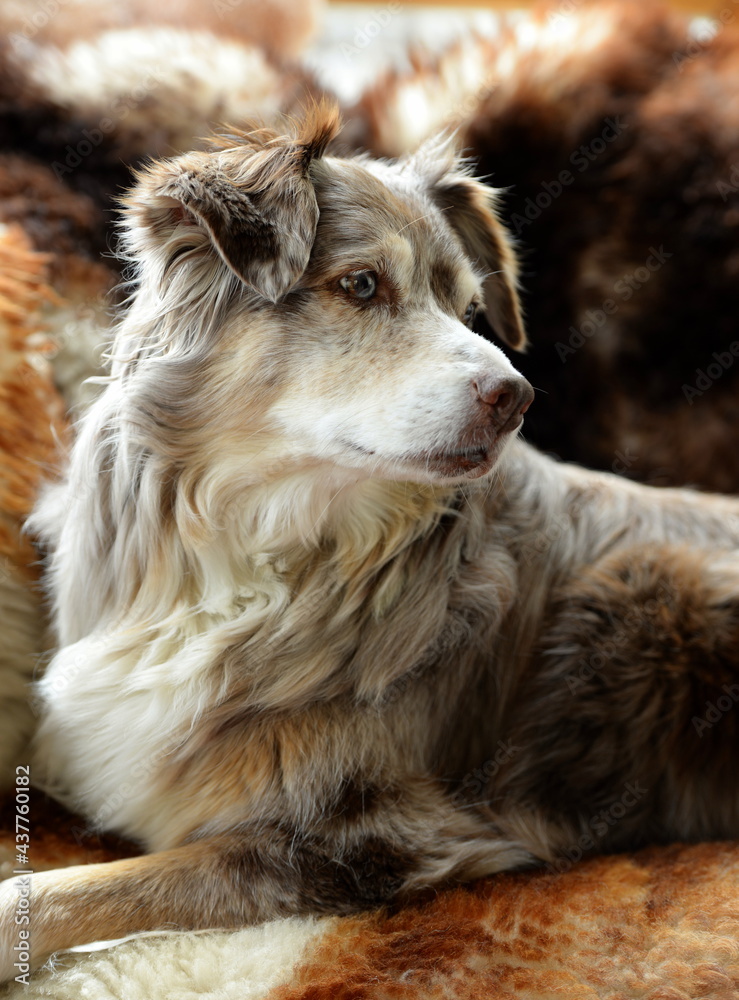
x: 631, y: 657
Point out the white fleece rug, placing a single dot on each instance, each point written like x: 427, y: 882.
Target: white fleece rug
x: 240, y: 965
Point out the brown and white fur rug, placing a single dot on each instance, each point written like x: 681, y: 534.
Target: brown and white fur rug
x: 661, y: 924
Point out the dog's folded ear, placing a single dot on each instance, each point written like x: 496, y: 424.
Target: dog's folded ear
x: 469, y: 208
x: 250, y: 200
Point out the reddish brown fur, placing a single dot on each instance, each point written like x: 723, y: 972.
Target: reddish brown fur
x: 610, y: 926
x: 31, y: 419
x: 71, y: 232
x: 32, y: 425
x: 60, y: 222
x: 60, y: 838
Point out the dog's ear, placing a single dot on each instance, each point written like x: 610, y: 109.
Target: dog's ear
x: 251, y: 201
x: 469, y: 208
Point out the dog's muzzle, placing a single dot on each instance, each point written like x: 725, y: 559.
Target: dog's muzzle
x: 497, y: 408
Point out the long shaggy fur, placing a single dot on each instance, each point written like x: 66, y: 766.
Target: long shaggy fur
x: 317, y: 611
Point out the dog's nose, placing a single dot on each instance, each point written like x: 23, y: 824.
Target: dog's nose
x: 505, y: 396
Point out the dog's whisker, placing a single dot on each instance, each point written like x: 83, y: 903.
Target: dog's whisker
x: 420, y: 218
x: 319, y: 519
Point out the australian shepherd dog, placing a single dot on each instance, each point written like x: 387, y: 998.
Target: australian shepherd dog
x: 328, y: 632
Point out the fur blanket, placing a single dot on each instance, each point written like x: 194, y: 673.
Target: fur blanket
x: 659, y: 925
x: 662, y: 924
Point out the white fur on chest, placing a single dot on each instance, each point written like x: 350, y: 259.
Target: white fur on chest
x: 117, y: 703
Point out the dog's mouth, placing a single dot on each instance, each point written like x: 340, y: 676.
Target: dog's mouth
x: 468, y: 462
x: 470, y: 458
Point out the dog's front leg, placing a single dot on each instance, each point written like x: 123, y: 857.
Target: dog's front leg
x: 208, y: 883
x: 256, y: 873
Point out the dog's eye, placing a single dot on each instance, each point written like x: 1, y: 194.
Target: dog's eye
x: 469, y: 317
x: 359, y: 284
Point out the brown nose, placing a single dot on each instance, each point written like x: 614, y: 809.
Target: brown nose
x: 505, y: 396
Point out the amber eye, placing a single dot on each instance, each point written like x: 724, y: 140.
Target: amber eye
x: 359, y: 284
x: 469, y: 317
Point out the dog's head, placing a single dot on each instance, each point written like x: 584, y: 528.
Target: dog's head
x: 305, y: 310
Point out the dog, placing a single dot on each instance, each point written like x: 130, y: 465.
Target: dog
x: 329, y: 633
